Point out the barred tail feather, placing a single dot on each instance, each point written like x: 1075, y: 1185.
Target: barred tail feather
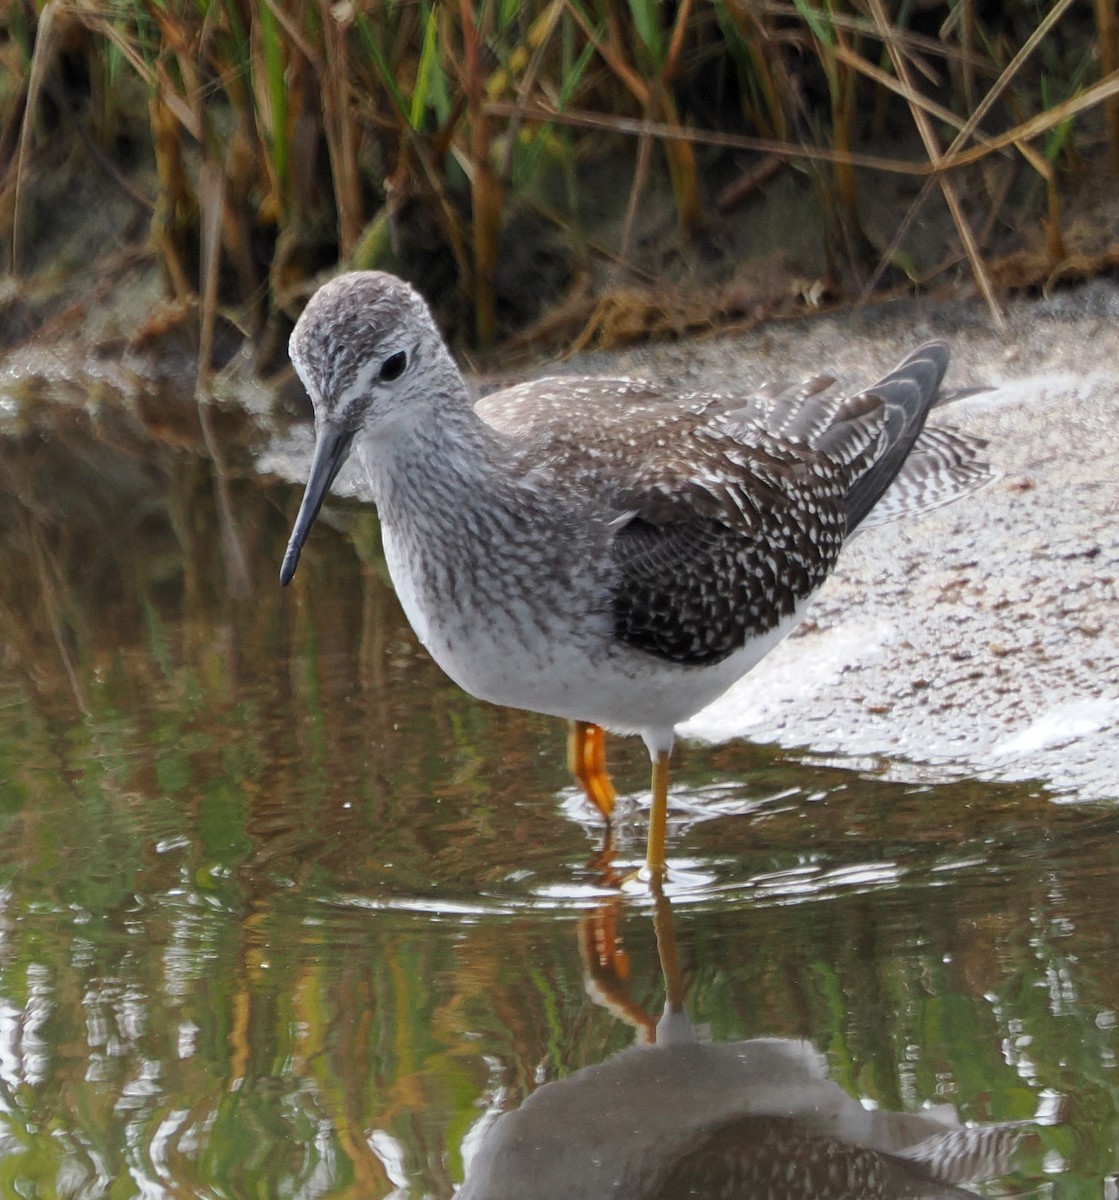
x: 943, y: 466
x: 968, y: 1154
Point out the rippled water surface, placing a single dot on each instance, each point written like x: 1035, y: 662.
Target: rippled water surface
x: 284, y: 913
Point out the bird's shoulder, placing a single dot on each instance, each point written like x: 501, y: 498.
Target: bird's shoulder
x: 678, y: 446
x: 556, y: 410
x: 555, y: 405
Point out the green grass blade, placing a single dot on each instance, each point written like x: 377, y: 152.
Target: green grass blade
x: 381, y: 66
x: 274, y: 67
x: 647, y: 21
x: 425, y: 72
x: 816, y: 21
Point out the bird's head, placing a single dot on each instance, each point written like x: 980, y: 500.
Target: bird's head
x: 371, y: 358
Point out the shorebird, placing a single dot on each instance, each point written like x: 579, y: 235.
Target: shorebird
x: 605, y: 550
x: 758, y: 1119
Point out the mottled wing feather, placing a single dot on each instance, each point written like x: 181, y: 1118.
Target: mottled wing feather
x: 556, y: 408
x: 790, y: 412
x: 763, y: 1156
x: 727, y: 559
x: 724, y: 525
x: 696, y: 585
x: 728, y: 511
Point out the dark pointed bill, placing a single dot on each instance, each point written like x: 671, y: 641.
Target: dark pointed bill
x: 332, y: 447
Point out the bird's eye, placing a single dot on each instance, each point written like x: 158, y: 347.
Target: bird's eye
x: 393, y: 366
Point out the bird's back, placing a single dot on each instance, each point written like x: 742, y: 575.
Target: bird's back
x: 616, y: 434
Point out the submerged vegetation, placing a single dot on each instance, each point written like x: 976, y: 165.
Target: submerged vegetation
x: 530, y: 161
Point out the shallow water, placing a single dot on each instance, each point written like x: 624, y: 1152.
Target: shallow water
x: 284, y: 913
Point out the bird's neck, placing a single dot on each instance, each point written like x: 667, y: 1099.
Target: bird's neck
x: 441, y: 460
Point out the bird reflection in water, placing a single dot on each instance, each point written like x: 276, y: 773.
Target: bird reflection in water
x: 676, y: 1117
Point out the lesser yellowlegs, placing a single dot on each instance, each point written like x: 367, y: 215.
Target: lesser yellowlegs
x: 605, y: 550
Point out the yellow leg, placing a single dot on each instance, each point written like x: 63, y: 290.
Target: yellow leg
x: 658, y: 817
x: 586, y: 756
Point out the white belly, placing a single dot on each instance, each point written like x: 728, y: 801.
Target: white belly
x: 514, y: 658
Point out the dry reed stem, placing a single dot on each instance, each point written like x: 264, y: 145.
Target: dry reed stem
x: 907, y: 38
x: 174, y: 196
x: 950, y: 160
x: 40, y: 62
x: 540, y: 37
x: 731, y: 197
x: 338, y: 127
x: 952, y: 156
x: 1026, y: 129
x: 486, y: 192
x: 680, y: 153
x: 1107, y: 40
x: 932, y: 149
x: 155, y: 77
x: 759, y: 43
x: 899, y: 87
x: 793, y: 150
x: 841, y: 85
x: 676, y: 43
x: 1042, y: 123
x: 966, y: 21
x: 657, y: 105
x: 211, y: 200
x: 640, y: 127
x: 640, y: 174
x: 295, y: 35
x: 193, y: 41
x: 1002, y: 82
